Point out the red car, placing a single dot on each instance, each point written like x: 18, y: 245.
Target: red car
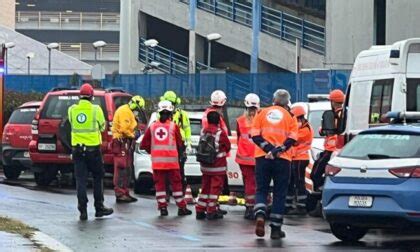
x: 16, y: 138
x: 50, y: 148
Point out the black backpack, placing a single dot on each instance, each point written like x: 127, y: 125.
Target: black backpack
x: 206, y: 149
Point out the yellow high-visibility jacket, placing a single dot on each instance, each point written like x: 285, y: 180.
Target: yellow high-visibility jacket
x: 124, y: 123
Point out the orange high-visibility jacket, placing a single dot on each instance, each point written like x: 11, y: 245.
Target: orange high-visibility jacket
x: 275, y: 124
x: 246, y: 147
x: 304, y: 142
x: 124, y: 123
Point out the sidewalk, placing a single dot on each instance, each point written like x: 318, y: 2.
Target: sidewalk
x: 15, y: 243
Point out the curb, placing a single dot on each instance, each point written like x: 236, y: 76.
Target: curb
x: 48, y: 242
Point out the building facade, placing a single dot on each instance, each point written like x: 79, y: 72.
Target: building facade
x: 7, y: 13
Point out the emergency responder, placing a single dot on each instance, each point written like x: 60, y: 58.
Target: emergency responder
x: 180, y: 118
x: 245, y: 154
x: 217, y: 101
x: 274, y: 131
x: 124, y: 133
x: 162, y: 140
x: 87, y: 122
x: 300, y: 160
x: 330, y: 143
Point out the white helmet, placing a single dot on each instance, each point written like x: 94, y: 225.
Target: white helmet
x: 252, y: 100
x: 218, y: 98
x: 165, y: 105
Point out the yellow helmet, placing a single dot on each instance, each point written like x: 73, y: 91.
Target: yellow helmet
x: 136, y: 102
x: 172, y: 97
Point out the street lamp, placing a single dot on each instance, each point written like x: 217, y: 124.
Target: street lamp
x: 30, y: 56
x: 210, y: 38
x: 7, y: 46
x: 96, y: 45
x: 150, y: 43
x: 50, y: 47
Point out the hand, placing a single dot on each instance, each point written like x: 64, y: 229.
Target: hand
x: 269, y: 155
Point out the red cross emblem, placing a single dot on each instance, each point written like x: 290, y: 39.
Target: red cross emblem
x: 161, y: 133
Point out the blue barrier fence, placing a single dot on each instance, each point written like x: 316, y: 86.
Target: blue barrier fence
x: 274, y: 22
x: 198, y: 86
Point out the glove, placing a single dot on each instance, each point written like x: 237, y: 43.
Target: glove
x: 189, y: 149
x: 269, y: 155
x: 278, y: 150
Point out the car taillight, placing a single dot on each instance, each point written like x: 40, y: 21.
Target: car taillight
x: 35, y: 123
x: 7, y: 133
x: 331, y: 170
x: 406, y: 172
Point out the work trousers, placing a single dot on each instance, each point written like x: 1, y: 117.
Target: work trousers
x: 174, y: 177
x: 248, y: 176
x: 211, y: 188
x: 297, y: 191
x: 278, y: 171
x: 123, y: 167
x: 86, y: 161
x: 318, y: 171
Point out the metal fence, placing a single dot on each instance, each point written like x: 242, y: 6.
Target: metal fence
x: 198, y: 86
x: 274, y: 22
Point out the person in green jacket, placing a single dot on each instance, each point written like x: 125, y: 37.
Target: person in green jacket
x: 180, y: 118
x: 87, y: 123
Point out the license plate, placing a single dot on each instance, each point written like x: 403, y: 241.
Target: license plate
x: 26, y: 154
x: 360, y: 201
x: 46, y: 147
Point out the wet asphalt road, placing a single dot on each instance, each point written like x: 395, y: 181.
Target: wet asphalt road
x: 137, y: 226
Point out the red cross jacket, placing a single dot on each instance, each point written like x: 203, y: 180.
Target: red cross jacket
x: 219, y: 167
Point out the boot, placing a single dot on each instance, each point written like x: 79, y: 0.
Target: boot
x: 103, y: 211
x: 184, y: 211
x: 124, y: 199
x: 133, y: 199
x: 249, y: 213
x: 83, y: 213
x: 221, y: 211
x: 277, y: 233
x: 200, y: 215
x: 260, y: 225
x: 214, y: 216
x: 164, y: 211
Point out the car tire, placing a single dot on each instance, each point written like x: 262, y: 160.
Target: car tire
x: 144, y: 184
x: 45, y: 177
x: 11, y: 172
x: 347, y: 233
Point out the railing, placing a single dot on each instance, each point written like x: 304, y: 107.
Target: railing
x: 96, y: 21
x: 274, y: 22
x: 85, y: 51
x: 169, y: 61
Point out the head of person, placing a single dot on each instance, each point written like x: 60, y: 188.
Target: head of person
x: 213, y: 118
x: 252, y: 104
x: 165, y: 109
x: 281, y: 98
x: 218, y: 99
x: 136, y: 104
x: 86, y: 92
x: 172, y: 97
x: 337, y: 98
x: 299, y: 112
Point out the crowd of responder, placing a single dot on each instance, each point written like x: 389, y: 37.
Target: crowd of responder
x: 273, y: 147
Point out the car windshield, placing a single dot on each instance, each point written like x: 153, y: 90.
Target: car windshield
x: 56, y: 106
x: 23, y: 116
x: 232, y: 114
x: 195, y: 127
x: 382, y: 146
x: 315, y: 118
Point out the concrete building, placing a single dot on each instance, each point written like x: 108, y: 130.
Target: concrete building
x: 7, y: 13
x: 75, y: 25
x: 260, y: 35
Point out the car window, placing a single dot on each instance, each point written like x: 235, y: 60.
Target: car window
x: 120, y: 100
x: 195, y: 127
x: 380, y: 101
x: 232, y: 114
x: 382, y: 146
x: 413, y: 94
x: 315, y: 118
x: 23, y: 116
x: 56, y: 106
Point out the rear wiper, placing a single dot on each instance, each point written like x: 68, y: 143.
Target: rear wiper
x: 379, y: 156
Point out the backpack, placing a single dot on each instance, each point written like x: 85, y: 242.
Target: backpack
x: 206, y: 149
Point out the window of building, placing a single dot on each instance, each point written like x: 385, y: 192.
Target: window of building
x: 380, y: 101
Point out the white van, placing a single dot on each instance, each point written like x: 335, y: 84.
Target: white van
x: 384, y: 78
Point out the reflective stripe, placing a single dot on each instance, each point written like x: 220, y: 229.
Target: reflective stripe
x: 221, y: 154
x: 277, y: 216
x: 164, y: 159
x: 177, y: 194
x: 212, y: 196
x: 179, y: 199
x: 244, y: 158
x: 301, y: 204
x: 93, y: 127
x: 290, y: 197
x: 163, y: 200
x: 263, y: 144
x: 160, y: 194
x: 201, y: 203
x: 301, y: 197
x: 250, y: 197
x: 288, y: 205
x: 260, y: 205
x: 260, y: 211
x: 246, y: 136
x: 217, y: 139
x: 276, y: 224
x: 163, y: 147
x: 249, y: 205
x: 213, y: 169
x: 211, y: 204
x: 203, y: 196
